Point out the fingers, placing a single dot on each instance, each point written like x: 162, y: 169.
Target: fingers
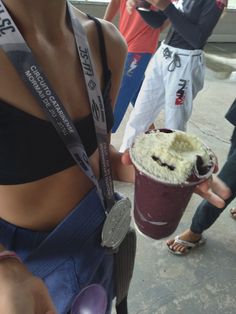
x: 43, y: 303
x: 214, y: 191
x: 125, y: 158
x: 220, y: 188
x: 131, y: 5
x: 211, y: 197
x: 50, y: 309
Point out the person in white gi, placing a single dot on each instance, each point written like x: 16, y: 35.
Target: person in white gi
x: 176, y: 72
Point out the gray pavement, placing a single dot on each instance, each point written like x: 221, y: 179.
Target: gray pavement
x: 205, y: 280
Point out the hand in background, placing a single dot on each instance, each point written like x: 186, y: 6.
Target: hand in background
x: 131, y: 5
x: 214, y: 190
x: 21, y: 292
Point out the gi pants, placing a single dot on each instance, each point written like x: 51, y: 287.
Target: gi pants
x: 173, y: 78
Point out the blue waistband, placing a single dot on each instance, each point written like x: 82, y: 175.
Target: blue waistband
x: 78, y: 226
x: 56, y: 246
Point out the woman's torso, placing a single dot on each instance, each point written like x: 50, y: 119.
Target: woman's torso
x: 42, y: 204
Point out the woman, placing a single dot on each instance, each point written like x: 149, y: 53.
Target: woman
x: 42, y: 188
x: 42, y: 184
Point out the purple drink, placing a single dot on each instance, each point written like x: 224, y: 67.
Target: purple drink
x: 160, y: 200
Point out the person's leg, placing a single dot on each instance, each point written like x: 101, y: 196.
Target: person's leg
x: 133, y: 101
x: 206, y: 214
x: 135, y: 66
x: 184, y: 82
x: 232, y: 210
x: 149, y: 103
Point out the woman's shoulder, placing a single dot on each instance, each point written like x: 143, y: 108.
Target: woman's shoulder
x: 113, y: 38
x: 115, y: 42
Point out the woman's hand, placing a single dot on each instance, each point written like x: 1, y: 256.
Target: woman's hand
x: 125, y: 158
x: 131, y: 5
x: 21, y: 292
x: 214, y: 190
x: 122, y: 168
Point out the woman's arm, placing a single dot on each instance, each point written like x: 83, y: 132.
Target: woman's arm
x: 112, y: 10
x: 195, y: 34
x: 122, y: 171
x: 116, y: 48
x: 214, y: 190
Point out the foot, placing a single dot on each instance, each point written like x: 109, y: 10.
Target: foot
x: 181, y: 248
x: 233, y: 213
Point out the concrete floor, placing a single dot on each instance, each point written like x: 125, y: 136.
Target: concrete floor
x: 205, y: 280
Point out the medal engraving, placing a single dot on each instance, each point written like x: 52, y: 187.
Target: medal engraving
x: 116, y: 224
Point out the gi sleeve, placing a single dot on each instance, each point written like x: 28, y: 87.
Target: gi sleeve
x: 153, y: 18
x: 195, y: 34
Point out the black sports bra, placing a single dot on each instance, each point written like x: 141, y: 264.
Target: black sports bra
x: 31, y: 149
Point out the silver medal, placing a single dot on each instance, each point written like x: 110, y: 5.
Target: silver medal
x: 116, y: 224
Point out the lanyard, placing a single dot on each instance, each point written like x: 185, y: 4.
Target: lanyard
x: 14, y: 45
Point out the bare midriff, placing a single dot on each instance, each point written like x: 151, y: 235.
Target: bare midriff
x: 42, y: 204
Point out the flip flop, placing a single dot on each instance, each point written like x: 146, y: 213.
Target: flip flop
x: 188, y: 245
x: 232, y: 212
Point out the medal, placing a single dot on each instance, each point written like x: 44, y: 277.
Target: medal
x: 118, y: 219
x: 117, y: 224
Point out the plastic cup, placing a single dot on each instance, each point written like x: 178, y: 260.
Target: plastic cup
x: 159, y: 205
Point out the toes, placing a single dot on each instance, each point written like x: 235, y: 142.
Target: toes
x: 176, y: 247
x: 233, y: 212
x: 170, y: 242
x: 179, y: 248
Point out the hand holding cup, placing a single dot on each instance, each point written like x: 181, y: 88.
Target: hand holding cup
x: 214, y: 190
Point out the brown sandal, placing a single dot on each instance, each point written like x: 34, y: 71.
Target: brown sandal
x: 232, y: 212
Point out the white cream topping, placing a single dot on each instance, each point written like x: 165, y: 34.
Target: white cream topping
x: 170, y: 157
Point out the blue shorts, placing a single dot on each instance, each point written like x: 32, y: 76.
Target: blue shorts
x: 68, y: 258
